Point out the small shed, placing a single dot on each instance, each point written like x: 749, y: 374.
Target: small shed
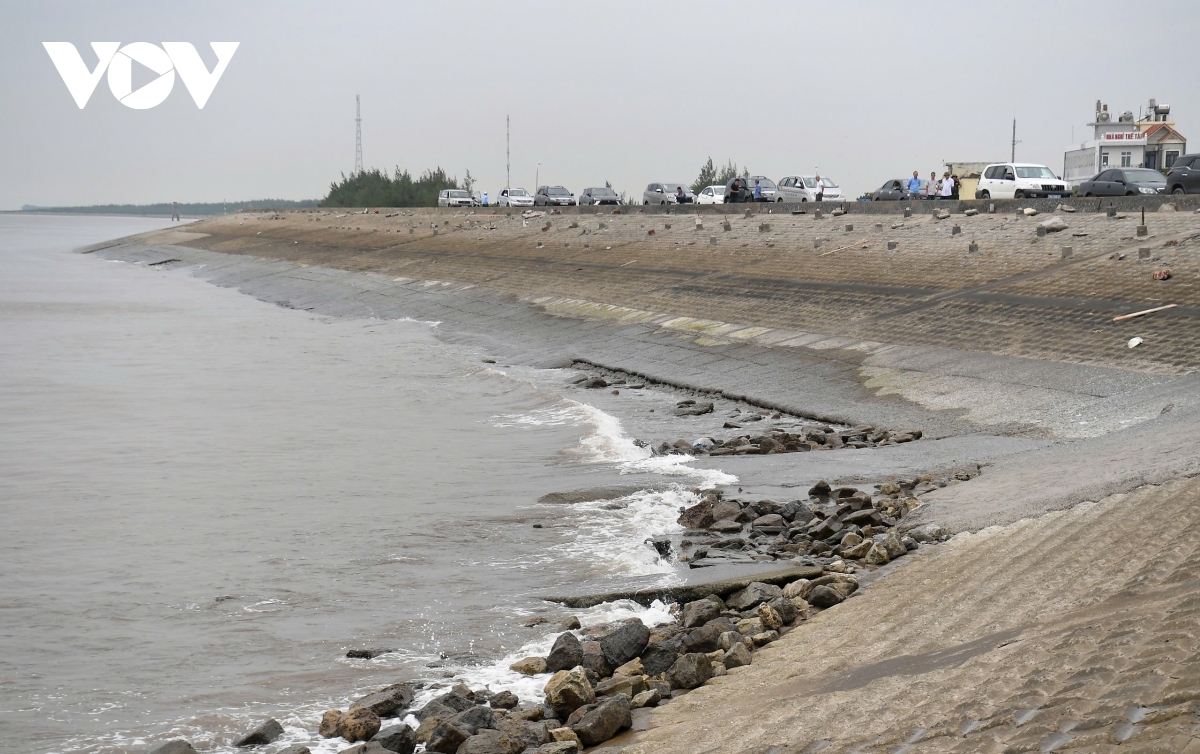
x: 968, y: 175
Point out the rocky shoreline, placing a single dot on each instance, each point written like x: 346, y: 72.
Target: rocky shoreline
x: 602, y: 678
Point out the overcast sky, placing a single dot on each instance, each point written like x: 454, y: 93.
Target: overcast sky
x: 629, y: 92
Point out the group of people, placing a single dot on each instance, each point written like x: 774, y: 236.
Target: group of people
x: 946, y: 188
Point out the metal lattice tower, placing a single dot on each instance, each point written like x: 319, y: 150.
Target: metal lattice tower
x: 358, y: 166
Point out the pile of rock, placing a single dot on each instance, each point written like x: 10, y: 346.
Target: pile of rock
x: 833, y: 525
x: 816, y: 437
x: 609, y: 671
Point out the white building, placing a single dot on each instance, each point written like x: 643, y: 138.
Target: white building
x: 1150, y: 142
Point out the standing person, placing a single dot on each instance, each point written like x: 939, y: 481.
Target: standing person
x: 485, y: 202
x: 757, y: 191
x: 820, y: 187
x: 174, y: 211
x: 947, y: 185
x: 932, y: 187
x: 914, y: 185
x: 957, y: 186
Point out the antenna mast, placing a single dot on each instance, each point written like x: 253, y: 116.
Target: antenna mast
x: 358, y: 166
x: 507, y: 152
x: 1013, y: 156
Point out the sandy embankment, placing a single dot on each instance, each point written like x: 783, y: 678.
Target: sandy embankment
x: 1071, y: 629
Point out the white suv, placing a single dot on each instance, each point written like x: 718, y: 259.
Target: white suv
x: 1020, y: 180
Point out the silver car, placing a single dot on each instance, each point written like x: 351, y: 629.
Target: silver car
x: 455, y: 198
x: 548, y: 196
x: 667, y: 193
x: 514, y: 197
x: 766, y: 186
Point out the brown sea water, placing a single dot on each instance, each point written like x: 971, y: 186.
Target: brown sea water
x: 207, y: 499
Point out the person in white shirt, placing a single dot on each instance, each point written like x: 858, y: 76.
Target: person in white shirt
x: 947, y: 186
x: 932, y: 187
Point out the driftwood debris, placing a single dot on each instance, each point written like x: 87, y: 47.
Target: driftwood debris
x: 1124, y: 317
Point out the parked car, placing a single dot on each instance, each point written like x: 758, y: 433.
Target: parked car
x: 894, y: 190
x: 1184, y: 176
x: 455, y: 198
x: 1019, y: 180
x: 602, y: 195
x: 666, y: 193
x: 831, y: 193
x: 766, y: 185
x: 792, y: 189
x: 803, y: 188
x: 1125, y: 182
x: 737, y: 191
x: 553, y: 195
x: 514, y: 197
x: 711, y: 195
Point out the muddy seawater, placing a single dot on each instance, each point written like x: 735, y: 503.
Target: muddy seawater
x: 207, y: 500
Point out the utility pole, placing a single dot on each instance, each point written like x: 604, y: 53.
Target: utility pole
x: 507, y: 152
x: 358, y: 166
x: 1013, y: 156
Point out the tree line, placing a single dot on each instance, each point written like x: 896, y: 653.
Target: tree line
x: 375, y: 188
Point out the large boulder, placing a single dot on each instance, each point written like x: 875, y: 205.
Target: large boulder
x: 388, y: 702
x: 604, y: 721
x: 398, y: 738
x: 1053, y: 225
x: 892, y: 544
x: 704, y: 639
x: 329, y: 724
x: 557, y: 747
x: 698, y: 516
x: 446, y: 738
x: 568, y: 690
x: 531, y: 734
x: 472, y: 720
x: 491, y: 742
x: 630, y: 686
x: 754, y: 593
x: 529, y: 666
x: 594, y: 662
x: 877, y: 555
x: 504, y: 700
x: 689, y: 671
x: 295, y: 749
x: 825, y: 596
x: 798, y: 588
x: 265, y: 733
x: 726, y: 509
x: 445, y: 706
x: 786, y: 609
x: 625, y: 643
x: 566, y: 653
x: 737, y: 656
x: 359, y: 724
x: 771, y: 620
x: 660, y: 656
x: 177, y: 746
x: 700, y: 612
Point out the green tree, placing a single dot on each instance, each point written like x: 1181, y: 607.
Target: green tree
x: 374, y: 188
x: 468, y: 183
x: 711, y: 175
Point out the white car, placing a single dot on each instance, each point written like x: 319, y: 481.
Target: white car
x: 455, y: 198
x: 1020, y: 180
x: 517, y: 197
x: 803, y: 188
x: 711, y: 195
